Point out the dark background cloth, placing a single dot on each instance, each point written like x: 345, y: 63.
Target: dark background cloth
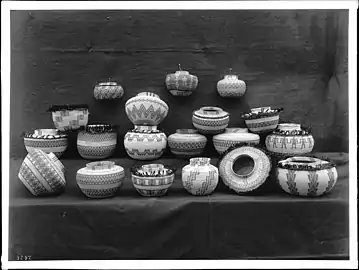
x: 178, y: 225
x: 295, y: 59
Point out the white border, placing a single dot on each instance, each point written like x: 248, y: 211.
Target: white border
x: 179, y: 264
x: 174, y: 5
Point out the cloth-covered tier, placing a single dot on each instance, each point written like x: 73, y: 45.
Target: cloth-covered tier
x: 179, y: 225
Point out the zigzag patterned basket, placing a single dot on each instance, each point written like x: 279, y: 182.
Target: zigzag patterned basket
x: 146, y: 109
x: 145, y: 143
x: 200, y: 177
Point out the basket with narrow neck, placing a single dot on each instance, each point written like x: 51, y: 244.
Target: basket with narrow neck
x: 182, y: 72
x: 107, y: 84
x: 231, y: 77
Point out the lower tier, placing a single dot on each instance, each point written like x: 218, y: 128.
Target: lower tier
x: 265, y: 225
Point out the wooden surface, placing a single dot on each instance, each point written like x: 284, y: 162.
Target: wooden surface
x: 292, y: 59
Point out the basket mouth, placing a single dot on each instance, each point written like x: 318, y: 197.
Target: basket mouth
x: 261, y: 113
x: 146, y: 129
x: 231, y: 76
x: 289, y: 126
x: 100, y: 128
x: 152, y: 170
x: 305, y: 163
x: 236, y: 130
x: 187, y: 131
x: 107, y: 84
x: 47, y: 134
x: 68, y: 107
x: 100, y: 165
x: 182, y: 72
x: 148, y: 94
x: 240, y: 136
x: 303, y: 131
x: 210, y: 111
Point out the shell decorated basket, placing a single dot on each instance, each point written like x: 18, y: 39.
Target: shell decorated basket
x: 262, y: 119
x: 306, y: 176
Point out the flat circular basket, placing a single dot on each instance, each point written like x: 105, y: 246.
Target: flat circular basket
x: 244, y: 168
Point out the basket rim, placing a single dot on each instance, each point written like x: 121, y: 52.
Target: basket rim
x: 67, y: 107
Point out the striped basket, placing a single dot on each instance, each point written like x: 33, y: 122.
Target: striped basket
x: 101, y: 179
x: 152, y: 180
x: 263, y: 119
x: 42, y: 174
x: 47, y: 140
x: 97, y: 141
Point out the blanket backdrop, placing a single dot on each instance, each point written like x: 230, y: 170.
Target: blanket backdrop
x: 291, y: 59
